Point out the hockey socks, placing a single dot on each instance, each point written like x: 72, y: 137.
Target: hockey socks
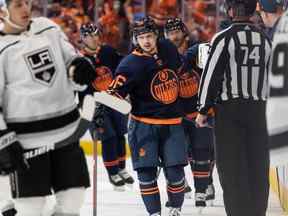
x: 175, y: 186
x: 121, y: 149
x: 201, y: 166
x: 149, y: 189
x: 110, y: 155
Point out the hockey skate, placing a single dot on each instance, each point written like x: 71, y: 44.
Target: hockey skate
x: 127, y: 178
x: 210, y: 195
x: 117, y: 182
x: 200, y: 202
x: 174, y: 212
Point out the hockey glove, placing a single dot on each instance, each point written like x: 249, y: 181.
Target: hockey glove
x: 11, y: 153
x: 83, y: 72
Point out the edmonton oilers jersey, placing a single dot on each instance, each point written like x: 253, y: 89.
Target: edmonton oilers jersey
x: 189, y: 78
x: 151, y: 82
x: 105, y: 61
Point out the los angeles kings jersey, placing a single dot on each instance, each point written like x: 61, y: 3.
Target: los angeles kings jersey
x: 36, y: 96
x: 277, y: 117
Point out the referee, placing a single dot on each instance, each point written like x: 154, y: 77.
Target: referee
x: 235, y: 79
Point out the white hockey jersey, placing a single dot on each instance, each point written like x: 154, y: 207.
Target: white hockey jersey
x: 36, y: 96
x: 277, y: 107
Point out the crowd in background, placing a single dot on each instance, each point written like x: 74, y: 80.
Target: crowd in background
x: 202, y: 17
x: 115, y: 17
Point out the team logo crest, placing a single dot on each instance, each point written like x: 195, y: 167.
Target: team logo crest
x: 164, y: 86
x: 103, y: 79
x: 189, y: 84
x: 41, y: 65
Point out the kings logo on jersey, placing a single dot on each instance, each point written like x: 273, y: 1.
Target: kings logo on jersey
x: 41, y: 64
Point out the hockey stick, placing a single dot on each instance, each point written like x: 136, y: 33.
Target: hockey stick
x: 86, y: 117
x: 119, y: 105
x: 95, y: 158
x: 113, y: 102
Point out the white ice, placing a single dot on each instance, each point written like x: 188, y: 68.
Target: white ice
x: 129, y: 203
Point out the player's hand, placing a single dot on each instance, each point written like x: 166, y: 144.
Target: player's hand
x: 11, y: 155
x: 82, y: 71
x: 201, y: 121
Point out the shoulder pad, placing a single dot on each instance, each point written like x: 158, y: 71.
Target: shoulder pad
x: 42, y: 23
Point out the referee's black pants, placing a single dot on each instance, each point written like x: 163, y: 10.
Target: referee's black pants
x: 242, y: 156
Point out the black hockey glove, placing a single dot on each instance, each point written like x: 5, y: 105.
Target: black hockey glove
x: 84, y: 71
x: 98, y: 119
x: 11, y: 153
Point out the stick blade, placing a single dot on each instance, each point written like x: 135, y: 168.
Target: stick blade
x: 113, y: 102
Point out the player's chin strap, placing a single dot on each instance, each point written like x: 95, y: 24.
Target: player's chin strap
x: 7, y: 19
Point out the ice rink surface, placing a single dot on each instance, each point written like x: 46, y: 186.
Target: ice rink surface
x: 129, y: 203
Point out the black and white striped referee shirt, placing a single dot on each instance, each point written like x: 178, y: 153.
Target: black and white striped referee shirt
x: 237, y: 66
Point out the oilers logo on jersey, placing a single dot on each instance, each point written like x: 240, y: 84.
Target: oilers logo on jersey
x: 189, y: 83
x: 104, y: 78
x: 164, y: 86
x: 41, y: 65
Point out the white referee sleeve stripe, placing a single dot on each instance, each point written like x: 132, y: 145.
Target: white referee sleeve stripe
x: 210, y: 70
x: 224, y: 95
x: 264, y: 93
x: 233, y: 67
x: 242, y: 37
x: 255, y: 81
x: 256, y: 38
x: 244, y: 76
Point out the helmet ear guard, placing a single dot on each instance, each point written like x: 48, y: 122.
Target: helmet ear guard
x: 134, y: 40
